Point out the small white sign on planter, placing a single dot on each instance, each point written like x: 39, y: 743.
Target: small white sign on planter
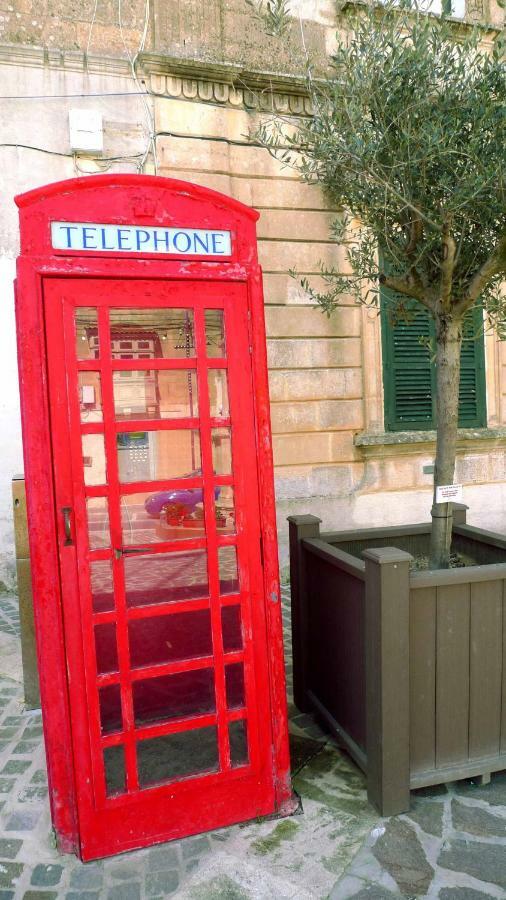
x: 449, y: 493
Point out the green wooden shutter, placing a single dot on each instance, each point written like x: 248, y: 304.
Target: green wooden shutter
x: 409, y: 372
x: 472, y: 399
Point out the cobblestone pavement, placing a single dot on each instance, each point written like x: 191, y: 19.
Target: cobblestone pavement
x: 451, y: 846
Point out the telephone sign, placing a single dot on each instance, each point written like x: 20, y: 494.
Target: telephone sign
x: 136, y: 239
x: 151, y: 511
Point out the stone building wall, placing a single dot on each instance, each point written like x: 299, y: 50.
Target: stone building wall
x: 211, y: 75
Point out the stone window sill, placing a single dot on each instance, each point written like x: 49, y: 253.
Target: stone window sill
x: 469, y: 20
x: 394, y: 443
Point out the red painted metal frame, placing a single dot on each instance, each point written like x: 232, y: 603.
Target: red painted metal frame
x: 149, y: 201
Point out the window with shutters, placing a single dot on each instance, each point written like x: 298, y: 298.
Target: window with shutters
x: 409, y: 375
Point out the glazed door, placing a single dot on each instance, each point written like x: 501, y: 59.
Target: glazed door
x: 155, y: 470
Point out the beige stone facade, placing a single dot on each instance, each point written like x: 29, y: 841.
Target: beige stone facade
x: 210, y: 76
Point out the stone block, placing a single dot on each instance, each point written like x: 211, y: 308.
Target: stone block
x: 280, y: 256
x: 217, y: 156
x: 319, y: 448
x: 317, y: 415
x: 202, y: 119
x: 395, y: 474
x: 289, y: 224
x: 316, y: 353
x: 315, y: 384
x: 262, y: 193
x: 329, y: 482
x: 306, y: 321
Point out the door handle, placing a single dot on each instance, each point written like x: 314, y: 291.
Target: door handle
x: 126, y: 551
x: 67, y: 526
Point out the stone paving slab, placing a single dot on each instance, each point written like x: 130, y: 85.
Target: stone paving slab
x: 451, y: 846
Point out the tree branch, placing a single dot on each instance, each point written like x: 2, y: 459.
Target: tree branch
x: 405, y: 286
x: 447, y: 266
x: 495, y: 264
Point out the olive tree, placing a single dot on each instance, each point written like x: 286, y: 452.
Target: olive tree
x: 408, y: 137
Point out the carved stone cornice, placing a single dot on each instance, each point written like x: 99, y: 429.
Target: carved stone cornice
x: 225, y: 84
x: 70, y: 60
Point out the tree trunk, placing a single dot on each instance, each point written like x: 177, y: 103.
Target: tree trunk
x: 448, y: 346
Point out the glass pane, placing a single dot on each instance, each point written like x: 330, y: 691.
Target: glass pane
x: 224, y: 508
x: 222, y: 453
x: 162, y: 639
x: 215, y: 333
x: 238, y: 736
x: 114, y: 764
x: 218, y: 393
x: 231, y: 628
x: 234, y: 682
x: 165, y: 577
x: 155, y: 395
x: 157, y: 455
x: 98, y: 522
x: 229, y: 579
x: 152, y: 333
x: 90, y: 397
x: 177, y: 755
x: 94, y: 459
x: 174, y: 696
x: 105, y: 645
x: 102, y: 590
x: 110, y: 708
x: 163, y: 516
x: 86, y: 333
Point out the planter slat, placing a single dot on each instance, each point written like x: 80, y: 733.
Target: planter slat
x: 491, y: 538
x: 486, y: 656
x: 452, y: 666
x: 472, y: 769
x: 440, y: 577
x: 338, y: 558
x: 422, y: 653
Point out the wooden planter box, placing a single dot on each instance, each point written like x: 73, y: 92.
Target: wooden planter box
x: 406, y: 668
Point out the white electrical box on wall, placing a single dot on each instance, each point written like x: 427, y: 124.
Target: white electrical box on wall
x: 86, y: 131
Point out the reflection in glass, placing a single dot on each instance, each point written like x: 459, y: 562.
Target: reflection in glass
x: 94, y: 459
x: 174, y: 696
x: 98, y: 522
x: 102, y: 591
x: 238, y: 736
x: 170, y: 515
x: 157, y: 455
x: 227, y: 563
x: 165, y: 577
x: 162, y: 639
x: 110, y: 708
x: 218, y: 393
x: 90, y: 396
x: 231, y: 628
x: 234, y: 682
x: 215, y: 333
x: 105, y: 646
x: 86, y: 333
x: 224, y: 509
x: 114, y: 765
x: 155, y: 394
x: 222, y: 452
x: 152, y: 333
x: 177, y: 755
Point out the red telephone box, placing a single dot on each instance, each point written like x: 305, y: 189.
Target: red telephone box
x: 151, y: 510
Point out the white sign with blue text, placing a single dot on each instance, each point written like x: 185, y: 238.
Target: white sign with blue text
x: 89, y: 236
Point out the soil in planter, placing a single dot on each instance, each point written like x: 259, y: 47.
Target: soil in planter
x: 457, y: 561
